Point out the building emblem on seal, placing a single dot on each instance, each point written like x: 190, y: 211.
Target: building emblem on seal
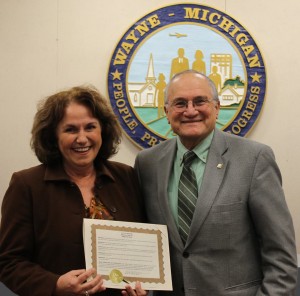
x: 175, y: 38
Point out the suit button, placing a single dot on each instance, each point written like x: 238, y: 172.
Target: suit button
x: 113, y: 209
x: 186, y: 254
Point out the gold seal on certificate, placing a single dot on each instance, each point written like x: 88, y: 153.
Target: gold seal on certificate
x: 126, y: 252
x: 116, y: 276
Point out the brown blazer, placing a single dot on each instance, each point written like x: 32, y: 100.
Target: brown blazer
x: 41, y: 227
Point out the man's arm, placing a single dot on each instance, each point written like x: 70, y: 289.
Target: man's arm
x: 274, y: 228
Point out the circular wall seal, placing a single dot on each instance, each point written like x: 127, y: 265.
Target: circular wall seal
x: 175, y: 38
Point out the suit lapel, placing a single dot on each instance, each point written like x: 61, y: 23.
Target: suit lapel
x: 164, y: 168
x: 212, y: 179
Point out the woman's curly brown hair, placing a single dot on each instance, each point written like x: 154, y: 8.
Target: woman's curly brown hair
x: 51, y: 111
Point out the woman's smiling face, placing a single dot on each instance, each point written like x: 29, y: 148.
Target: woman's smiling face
x: 79, y: 137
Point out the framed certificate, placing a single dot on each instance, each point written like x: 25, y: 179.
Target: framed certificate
x: 126, y: 252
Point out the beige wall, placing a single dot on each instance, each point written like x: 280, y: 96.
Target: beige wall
x: 48, y: 45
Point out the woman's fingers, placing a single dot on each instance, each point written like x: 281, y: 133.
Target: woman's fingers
x: 79, y: 282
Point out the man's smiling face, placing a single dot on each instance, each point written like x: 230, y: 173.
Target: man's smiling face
x: 192, y: 124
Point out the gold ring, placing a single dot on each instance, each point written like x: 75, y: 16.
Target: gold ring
x: 87, y: 293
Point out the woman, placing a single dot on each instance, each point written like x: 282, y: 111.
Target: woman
x: 41, y: 245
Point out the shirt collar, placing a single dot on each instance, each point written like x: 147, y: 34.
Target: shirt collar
x: 201, y: 150
x: 57, y: 172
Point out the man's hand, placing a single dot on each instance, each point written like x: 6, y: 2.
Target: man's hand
x: 138, y: 291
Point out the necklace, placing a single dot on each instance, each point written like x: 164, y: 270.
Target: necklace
x: 97, y: 210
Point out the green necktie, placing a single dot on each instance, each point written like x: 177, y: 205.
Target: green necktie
x: 187, y: 195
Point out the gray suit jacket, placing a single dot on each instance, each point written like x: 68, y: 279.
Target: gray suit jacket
x: 241, y: 239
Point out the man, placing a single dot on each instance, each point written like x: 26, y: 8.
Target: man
x: 215, y: 77
x: 179, y: 64
x: 241, y: 238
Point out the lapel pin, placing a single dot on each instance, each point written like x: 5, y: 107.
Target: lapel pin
x: 220, y: 165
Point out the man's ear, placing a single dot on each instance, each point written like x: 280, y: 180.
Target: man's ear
x: 217, y: 106
x: 167, y: 112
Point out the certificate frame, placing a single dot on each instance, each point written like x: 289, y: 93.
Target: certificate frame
x: 126, y: 252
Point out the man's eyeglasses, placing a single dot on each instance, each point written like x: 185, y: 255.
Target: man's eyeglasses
x: 180, y: 105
